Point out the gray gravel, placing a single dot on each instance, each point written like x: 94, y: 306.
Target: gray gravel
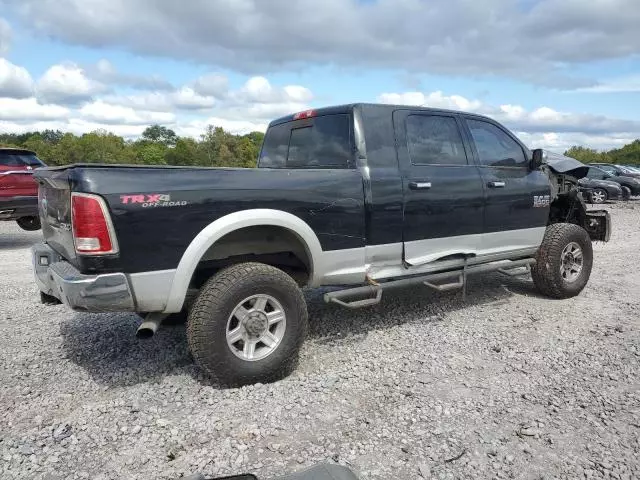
x: 505, y: 385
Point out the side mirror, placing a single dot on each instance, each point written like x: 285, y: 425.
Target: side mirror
x: 538, y: 159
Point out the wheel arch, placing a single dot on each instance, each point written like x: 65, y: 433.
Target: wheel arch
x: 229, y: 224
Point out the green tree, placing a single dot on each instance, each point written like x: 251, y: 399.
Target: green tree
x: 160, y: 134
x: 629, y: 154
x: 584, y: 154
x: 150, y: 153
x: 101, y: 146
x: 43, y: 150
x: 186, y: 152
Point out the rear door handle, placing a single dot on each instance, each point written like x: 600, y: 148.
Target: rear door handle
x: 419, y: 185
x: 496, y: 184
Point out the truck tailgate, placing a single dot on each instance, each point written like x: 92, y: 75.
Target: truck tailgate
x: 54, y: 206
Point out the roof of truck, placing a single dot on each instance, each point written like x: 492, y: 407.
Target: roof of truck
x: 348, y: 107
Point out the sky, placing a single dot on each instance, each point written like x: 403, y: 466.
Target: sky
x: 556, y: 72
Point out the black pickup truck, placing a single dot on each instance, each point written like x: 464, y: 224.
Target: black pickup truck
x: 365, y: 197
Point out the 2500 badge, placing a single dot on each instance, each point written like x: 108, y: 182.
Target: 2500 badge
x: 152, y: 200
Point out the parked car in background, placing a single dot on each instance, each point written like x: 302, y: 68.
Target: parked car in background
x: 633, y: 168
x: 18, y: 189
x: 599, y: 191
x: 632, y: 183
x: 616, y: 170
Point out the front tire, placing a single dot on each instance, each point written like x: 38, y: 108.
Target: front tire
x: 247, y: 325
x: 563, y: 262
x: 30, y: 224
x: 599, y: 195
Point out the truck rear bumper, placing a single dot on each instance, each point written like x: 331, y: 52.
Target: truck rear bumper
x: 87, y: 293
x: 18, y: 207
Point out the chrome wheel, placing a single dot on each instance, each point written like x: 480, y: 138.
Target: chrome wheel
x: 599, y: 196
x: 571, y: 261
x: 256, y: 327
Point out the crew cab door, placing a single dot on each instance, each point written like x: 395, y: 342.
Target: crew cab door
x: 517, y: 198
x: 16, y: 169
x: 442, y: 189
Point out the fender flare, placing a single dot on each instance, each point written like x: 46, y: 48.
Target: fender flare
x: 227, y: 224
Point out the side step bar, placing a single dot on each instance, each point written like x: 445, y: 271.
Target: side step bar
x: 373, y: 293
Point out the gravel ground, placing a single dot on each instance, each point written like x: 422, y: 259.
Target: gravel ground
x: 504, y: 385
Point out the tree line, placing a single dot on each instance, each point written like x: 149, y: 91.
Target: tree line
x: 158, y: 145
x: 626, y: 155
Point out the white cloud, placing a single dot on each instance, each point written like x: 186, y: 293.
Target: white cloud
x: 106, y: 73
x: 212, y: 85
x: 67, y: 84
x: 105, y: 113
x: 195, y: 128
x: 15, y: 81
x: 186, y: 98
x: 256, y: 99
x: 434, y: 100
x: 544, y: 125
x: 28, y: 110
x: 259, y: 90
x: 629, y: 83
x: 536, y: 41
x: 5, y: 36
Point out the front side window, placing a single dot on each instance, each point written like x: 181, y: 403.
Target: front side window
x: 323, y: 142
x: 597, y: 174
x: 495, y: 147
x: 434, y: 140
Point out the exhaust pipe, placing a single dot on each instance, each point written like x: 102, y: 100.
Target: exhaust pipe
x: 150, y: 325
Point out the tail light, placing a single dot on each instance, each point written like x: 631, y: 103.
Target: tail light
x: 305, y: 114
x: 93, y: 232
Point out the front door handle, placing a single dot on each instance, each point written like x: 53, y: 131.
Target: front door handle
x: 419, y: 185
x: 496, y: 184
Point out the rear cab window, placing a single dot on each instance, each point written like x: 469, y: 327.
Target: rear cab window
x: 318, y: 142
x: 434, y: 140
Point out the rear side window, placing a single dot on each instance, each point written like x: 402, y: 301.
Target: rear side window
x: 19, y: 159
x: 434, y: 140
x: 321, y: 142
x: 495, y: 147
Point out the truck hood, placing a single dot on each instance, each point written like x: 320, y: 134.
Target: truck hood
x: 565, y: 165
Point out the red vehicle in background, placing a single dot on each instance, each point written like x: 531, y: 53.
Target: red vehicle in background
x: 18, y: 189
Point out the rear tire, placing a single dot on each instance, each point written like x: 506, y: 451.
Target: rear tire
x: 235, y: 311
x: 626, y: 193
x: 30, y: 224
x: 563, y: 262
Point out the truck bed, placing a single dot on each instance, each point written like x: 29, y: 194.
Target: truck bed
x: 158, y: 210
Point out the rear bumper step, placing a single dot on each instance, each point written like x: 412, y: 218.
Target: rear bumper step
x: 88, y: 293
x: 352, y: 297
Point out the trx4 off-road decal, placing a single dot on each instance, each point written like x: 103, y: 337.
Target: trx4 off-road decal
x: 152, y: 200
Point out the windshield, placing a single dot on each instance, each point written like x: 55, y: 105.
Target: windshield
x: 19, y: 159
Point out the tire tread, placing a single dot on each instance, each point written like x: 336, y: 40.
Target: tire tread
x: 545, y: 272
x: 211, y: 306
